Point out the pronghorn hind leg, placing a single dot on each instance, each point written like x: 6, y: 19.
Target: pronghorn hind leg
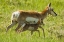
x: 11, y: 25
x: 43, y: 31
x: 43, y: 23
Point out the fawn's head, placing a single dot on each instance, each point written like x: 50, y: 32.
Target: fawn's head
x: 50, y: 10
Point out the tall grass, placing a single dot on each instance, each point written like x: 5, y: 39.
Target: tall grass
x: 9, y: 6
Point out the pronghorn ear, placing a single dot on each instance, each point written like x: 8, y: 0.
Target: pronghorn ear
x: 49, y: 4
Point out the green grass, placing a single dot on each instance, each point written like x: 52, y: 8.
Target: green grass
x: 8, y: 6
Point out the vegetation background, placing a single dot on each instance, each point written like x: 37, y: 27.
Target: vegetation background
x: 9, y: 6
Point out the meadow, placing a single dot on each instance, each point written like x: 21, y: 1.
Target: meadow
x: 9, y: 6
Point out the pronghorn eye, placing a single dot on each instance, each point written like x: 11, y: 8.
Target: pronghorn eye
x: 52, y: 9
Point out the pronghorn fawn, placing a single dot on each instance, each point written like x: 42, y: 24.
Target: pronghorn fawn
x: 33, y: 27
x: 20, y: 17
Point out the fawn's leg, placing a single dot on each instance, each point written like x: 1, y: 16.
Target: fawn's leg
x: 20, y: 25
x: 31, y: 32
x: 24, y: 28
x: 43, y: 31
x: 11, y: 25
x: 38, y: 32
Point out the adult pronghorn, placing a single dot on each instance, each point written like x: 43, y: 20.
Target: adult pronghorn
x: 20, y: 16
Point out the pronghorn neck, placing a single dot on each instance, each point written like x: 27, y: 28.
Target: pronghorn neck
x: 44, y: 13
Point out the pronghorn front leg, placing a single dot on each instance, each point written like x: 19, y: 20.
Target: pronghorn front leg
x: 43, y: 23
x: 11, y: 25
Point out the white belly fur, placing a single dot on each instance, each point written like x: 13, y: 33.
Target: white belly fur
x: 32, y: 20
x: 15, y: 15
x: 31, y: 28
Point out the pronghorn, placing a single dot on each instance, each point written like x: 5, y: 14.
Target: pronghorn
x: 33, y: 27
x: 20, y: 16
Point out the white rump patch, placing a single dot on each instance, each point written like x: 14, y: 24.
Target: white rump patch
x: 15, y: 15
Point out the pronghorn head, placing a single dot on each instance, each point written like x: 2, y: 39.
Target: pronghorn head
x: 50, y: 10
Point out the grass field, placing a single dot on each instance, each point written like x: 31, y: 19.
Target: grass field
x: 9, y: 6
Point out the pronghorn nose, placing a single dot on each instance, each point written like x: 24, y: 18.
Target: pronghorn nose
x: 56, y: 14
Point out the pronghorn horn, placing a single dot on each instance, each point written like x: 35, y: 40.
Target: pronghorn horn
x: 49, y: 4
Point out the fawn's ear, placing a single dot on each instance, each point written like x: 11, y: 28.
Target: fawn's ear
x: 49, y: 5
